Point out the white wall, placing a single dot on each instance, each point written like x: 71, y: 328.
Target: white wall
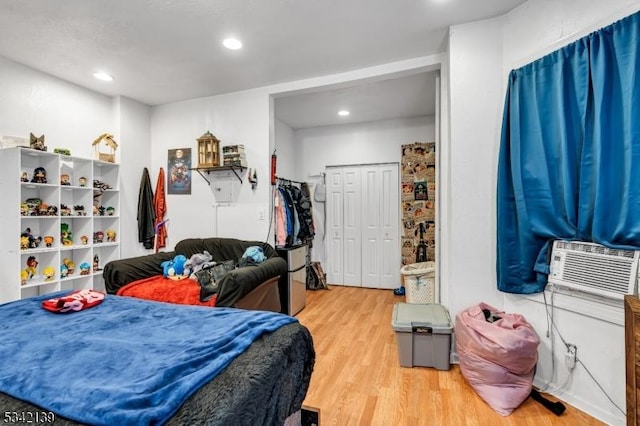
x: 286, y: 151
x: 238, y: 118
x: 73, y: 117
x: 491, y: 48
x: 347, y: 144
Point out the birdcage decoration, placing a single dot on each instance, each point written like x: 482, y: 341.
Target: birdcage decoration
x: 105, y: 148
x: 208, y: 150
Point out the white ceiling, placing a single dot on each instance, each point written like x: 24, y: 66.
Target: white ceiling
x: 162, y: 51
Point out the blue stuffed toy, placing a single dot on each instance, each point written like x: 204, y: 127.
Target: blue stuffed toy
x: 174, y: 268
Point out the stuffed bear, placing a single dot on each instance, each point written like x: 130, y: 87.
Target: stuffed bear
x: 196, y: 262
x: 174, y: 268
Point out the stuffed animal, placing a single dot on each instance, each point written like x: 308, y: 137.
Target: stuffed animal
x: 196, y: 262
x: 174, y: 268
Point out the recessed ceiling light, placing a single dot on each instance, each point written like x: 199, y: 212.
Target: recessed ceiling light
x: 103, y: 76
x: 232, y: 43
x: 343, y: 113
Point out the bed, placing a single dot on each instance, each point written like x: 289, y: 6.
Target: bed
x: 132, y: 361
x: 248, y: 287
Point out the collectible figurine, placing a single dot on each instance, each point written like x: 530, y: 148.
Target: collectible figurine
x: 98, y: 237
x: 69, y: 264
x: 79, y: 209
x: 66, y: 237
x: 49, y: 273
x: 37, y: 143
x: 65, y: 210
x: 111, y: 235
x: 84, y: 240
x: 64, y: 271
x: 82, y: 181
x: 32, y: 265
x: 48, y: 240
x: 64, y: 179
x: 110, y: 210
x: 85, y: 268
x: 24, y: 177
x: 96, y: 263
x: 39, y: 175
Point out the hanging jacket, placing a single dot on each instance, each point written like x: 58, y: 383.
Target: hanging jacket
x: 146, y: 212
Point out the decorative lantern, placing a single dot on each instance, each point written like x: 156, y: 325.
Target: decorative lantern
x: 208, y: 150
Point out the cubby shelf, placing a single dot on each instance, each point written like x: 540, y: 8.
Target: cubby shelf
x: 44, y: 192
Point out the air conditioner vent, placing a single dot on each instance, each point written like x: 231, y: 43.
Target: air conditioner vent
x: 593, y: 268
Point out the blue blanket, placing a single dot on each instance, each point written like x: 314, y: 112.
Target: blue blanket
x: 125, y: 361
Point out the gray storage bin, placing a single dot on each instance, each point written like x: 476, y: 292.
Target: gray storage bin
x: 423, y: 334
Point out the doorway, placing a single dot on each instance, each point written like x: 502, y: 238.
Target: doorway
x: 363, y: 225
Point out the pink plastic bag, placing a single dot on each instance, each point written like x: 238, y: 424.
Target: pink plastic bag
x: 497, y: 358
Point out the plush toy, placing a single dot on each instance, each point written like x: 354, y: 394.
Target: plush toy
x: 174, y: 268
x: 196, y: 262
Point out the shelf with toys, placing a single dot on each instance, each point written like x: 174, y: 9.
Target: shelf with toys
x: 57, y: 206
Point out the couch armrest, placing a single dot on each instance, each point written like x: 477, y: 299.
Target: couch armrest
x: 241, y: 281
x: 119, y: 273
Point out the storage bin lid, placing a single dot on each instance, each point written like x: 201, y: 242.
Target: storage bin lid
x: 406, y: 316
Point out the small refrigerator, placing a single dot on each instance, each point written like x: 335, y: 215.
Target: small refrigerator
x: 293, y: 284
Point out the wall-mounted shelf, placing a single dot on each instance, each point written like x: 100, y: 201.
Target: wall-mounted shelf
x: 234, y: 169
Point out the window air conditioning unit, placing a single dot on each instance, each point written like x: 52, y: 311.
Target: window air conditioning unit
x: 593, y: 268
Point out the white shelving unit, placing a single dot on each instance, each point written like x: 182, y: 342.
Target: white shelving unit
x: 89, y: 214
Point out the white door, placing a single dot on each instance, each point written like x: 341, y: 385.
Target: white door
x: 363, y: 226
x: 380, y: 229
x: 351, y: 227
x: 334, y: 233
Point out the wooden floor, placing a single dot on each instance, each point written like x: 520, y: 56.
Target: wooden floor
x: 357, y: 379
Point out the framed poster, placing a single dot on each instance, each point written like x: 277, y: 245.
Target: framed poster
x: 179, y: 173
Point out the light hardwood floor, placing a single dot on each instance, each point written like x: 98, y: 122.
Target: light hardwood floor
x: 357, y: 379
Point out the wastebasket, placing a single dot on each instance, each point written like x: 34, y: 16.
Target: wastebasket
x: 420, y: 282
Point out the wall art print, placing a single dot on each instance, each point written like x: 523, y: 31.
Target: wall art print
x: 179, y: 171
x: 418, y: 182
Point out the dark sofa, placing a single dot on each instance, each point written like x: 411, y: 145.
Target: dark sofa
x: 247, y: 287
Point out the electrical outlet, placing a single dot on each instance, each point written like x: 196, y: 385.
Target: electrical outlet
x: 570, y: 356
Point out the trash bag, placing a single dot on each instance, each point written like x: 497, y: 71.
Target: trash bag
x: 498, y: 353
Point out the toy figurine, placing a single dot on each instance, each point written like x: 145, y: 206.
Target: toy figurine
x: 32, y: 242
x: 111, y: 235
x: 39, y: 175
x: 79, y: 209
x: 85, y: 268
x: 64, y: 180
x: 66, y: 237
x: 64, y: 271
x: 24, y: 177
x: 32, y: 265
x: 110, y: 210
x: 84, y: 240
x: 37, y: 142
x: 65, y: 210
x: 96, y: 262
x: 24, y: 275
x: 48, y: 240
x: 24, y: 209
x: 101, y: 210
x: 71, y: 266
x: 98, y: 237
x: 82, y: 181
x: 49, y: 273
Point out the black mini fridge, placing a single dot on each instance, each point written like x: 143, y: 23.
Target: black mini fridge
x: 293, y: 284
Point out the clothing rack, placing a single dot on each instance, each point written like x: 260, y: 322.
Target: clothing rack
x: 288, y: 181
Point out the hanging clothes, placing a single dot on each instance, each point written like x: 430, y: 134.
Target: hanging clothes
x: 160, y: 209
x: 146, y: 214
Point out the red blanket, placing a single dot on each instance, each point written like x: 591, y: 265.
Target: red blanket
x: 159, y: 288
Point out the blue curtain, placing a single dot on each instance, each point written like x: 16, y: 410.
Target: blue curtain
x: 569, y: 162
